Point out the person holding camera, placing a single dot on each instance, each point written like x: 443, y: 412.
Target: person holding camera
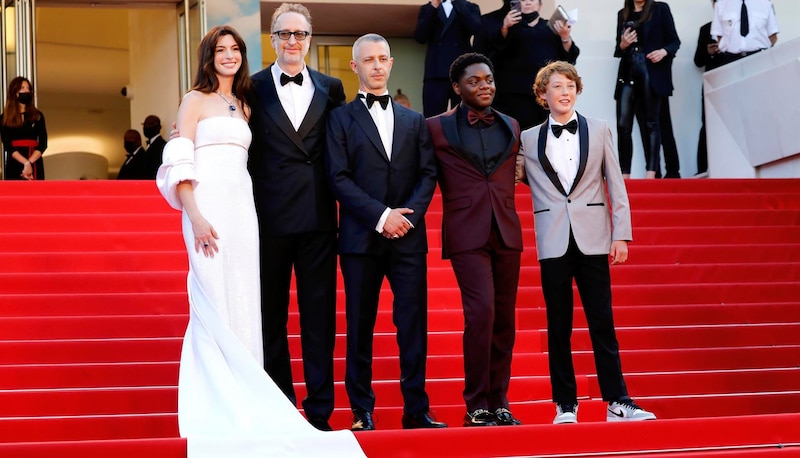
x: 519, y: 44
x: 646, y: 43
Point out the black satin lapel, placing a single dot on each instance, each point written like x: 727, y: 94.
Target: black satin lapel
x: 317, y: 108
x: 583, y: 134
x: 514, y: 139
x: 546, y: 165
x: 401, y: 127
x: 447, y: 21
x: 450, y: 129
x: 274, y: 109
x: 363, y: 119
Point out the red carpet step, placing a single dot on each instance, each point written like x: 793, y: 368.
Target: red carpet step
x: 93, y: 307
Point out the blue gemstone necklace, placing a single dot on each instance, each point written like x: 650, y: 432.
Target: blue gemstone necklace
x: 231, y: 103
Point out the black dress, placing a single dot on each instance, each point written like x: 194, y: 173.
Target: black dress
x: 517, y: 59
x: 25, y: 139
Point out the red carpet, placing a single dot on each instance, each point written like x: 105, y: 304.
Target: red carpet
x: 93, y: 306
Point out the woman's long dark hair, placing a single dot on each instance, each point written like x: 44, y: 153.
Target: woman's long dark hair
x: 628, y: 10
x: 206, y: 80
x: 12, y: 116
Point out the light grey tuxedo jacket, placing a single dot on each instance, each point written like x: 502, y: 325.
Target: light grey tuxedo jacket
x: 584, y: 208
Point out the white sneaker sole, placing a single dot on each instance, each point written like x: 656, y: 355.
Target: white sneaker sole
x: 565, y: 419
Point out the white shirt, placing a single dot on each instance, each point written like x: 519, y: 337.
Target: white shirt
x: 563, y: 153
x: 295, y: 99
x: 384, y: 121
x: 448, y: 7
x: 727, y: 23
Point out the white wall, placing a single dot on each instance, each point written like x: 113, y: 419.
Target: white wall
x: 595, y: 35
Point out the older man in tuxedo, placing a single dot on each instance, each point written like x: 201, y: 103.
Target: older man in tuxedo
x: 381, y: 167
x: 296, y: 209
x: 476, y: 149
x: 569, y: 161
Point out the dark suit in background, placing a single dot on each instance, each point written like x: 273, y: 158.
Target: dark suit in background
x: 154, y: 156
x: 366, y: 181
x: 707, y: 61
x: 134, y: 166
x: 447, y: 37
x: 482, y: 236
x: 297, y: 223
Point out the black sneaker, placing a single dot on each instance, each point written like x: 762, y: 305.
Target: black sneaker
x: 503, y: 417
x: 480, y: 417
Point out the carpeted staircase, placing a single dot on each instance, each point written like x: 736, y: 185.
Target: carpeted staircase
x: 93, y: 307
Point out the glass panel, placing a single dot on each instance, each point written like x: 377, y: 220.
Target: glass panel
x: 10, y: 30
x: 334, y: 60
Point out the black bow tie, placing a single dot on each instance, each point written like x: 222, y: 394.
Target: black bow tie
x: 571, y: 126
x: 296, y: 79
x: 382, y: 99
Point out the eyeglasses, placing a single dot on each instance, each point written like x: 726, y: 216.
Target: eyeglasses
x: 299, y: 35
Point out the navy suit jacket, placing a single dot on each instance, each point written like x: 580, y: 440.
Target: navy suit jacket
x: 287, y: 166
x: 656, y: 33
x: 446, y: 37
x: 366, y: 182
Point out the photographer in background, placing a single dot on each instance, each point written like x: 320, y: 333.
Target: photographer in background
x: 646, y: 43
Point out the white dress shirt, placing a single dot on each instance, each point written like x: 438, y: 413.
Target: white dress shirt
x: 563, y: 153
x: 295, y: 99
x: 448, y: 7
x: 384, y: 121
x: 727, y: 23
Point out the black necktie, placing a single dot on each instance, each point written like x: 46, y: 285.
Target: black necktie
x: 382, y: 99
x: 744, y: 27
x: 571, y: 126
x: 296, y: 79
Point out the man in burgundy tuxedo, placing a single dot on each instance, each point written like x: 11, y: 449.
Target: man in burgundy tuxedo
x: 476, y: 149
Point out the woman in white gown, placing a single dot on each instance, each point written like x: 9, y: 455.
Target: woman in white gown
x: 227, y: 404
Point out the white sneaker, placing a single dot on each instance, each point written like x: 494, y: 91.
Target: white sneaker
x: 566, y: 413
x: 627, y: 411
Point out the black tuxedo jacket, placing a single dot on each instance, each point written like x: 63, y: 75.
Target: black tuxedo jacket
x: 701, y: 56
x: 446, y: 37
x: 656, y: 33
x: 154, y: 155
x: 291, y: 193
x: 135, y: 168
x: 365, y: 181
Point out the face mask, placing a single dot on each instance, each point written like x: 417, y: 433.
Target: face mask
x: 529, y: 17
x: 130, y: 147
x: 25, y: 97
x: 151, y: 132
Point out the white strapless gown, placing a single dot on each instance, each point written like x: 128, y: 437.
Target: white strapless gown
x: 227, y: 404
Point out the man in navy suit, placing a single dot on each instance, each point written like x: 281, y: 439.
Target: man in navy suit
x: 296, y: 209
x: 380, y: 164
x: 446, y: 26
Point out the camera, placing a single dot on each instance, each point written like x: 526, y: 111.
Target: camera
x: 127, y: 91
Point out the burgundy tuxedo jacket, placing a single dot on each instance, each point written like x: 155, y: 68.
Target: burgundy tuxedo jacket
x: 471, y: 195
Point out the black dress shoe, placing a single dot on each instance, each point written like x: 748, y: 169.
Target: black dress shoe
x: 421, y: 420
x: 320, y: 423
x: 362, y: 421
x: 504, y: 417
x: 480, y: 417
